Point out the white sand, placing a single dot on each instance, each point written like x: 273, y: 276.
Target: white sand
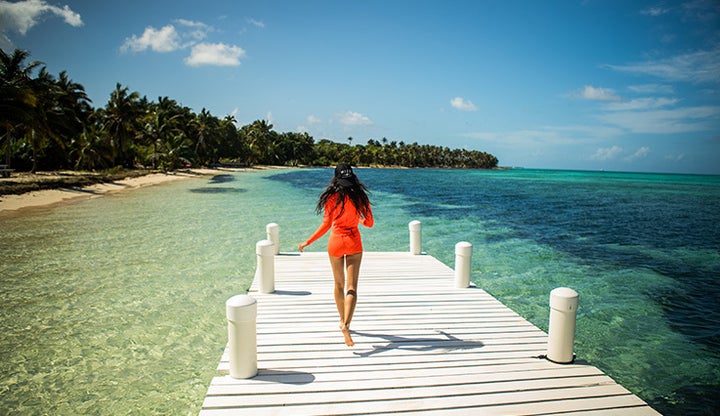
x: 56, y: 196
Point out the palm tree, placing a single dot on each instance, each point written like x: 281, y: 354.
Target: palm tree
x: 160, y: 125
x: 39, y: 129
x: 67, y: 119
x: 17, y: 96
x: 121, y: 115
x: 258, y: 137
x: 90, y: 150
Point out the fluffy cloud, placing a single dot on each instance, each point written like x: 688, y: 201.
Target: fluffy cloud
x: 639, y: 154
x: 186, y: 34
x: 22, y: 16
x: 165, y: 39
x: 197, y: 30
x: 351, y: 118
x: 215, y: 54
x: 598, y: 94
x: 311, y: 119
x: 462, y: 104
x: 607, y: 153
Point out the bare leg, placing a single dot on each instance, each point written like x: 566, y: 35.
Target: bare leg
x: 345, y: 303
x: 338, y: 269
x: 352, y: 266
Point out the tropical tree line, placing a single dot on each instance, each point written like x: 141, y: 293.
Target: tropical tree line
x: 49, y: 123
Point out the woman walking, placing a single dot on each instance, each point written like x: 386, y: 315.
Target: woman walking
x: 345, y: 204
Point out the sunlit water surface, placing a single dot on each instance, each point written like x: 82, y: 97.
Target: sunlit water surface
x: 115, y: 305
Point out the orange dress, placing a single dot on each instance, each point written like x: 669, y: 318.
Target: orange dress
x: 345, y: 237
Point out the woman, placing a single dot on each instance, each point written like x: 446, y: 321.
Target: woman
x: 345, y: 204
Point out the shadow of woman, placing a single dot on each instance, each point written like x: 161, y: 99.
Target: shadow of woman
x: 448, y: 343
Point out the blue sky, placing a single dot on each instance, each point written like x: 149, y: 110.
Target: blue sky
x: 593, y: 84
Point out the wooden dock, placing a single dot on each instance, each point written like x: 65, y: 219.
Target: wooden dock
x: 421, y: 346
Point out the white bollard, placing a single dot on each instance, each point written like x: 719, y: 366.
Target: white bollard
x: 265, y: 272
x: 463, y: 260
x: 241, y: 313
x: 273, y: 234
x: 415, y: 237
x: 561, y: 330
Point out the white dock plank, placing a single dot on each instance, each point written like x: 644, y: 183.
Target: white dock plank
x: 422, y: 347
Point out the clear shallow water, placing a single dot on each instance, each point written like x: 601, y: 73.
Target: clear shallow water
x: 115, y: 305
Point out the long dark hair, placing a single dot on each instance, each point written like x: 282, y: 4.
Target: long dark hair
x: 356, y: 192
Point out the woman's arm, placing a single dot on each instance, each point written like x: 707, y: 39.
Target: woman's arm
x: 368, y: 220
x: 321, y: 230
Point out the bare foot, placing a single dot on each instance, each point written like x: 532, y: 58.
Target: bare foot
x: 348, y: 339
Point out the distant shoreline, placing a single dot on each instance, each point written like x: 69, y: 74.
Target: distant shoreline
x: 48, y: 197
x: 56, y: 193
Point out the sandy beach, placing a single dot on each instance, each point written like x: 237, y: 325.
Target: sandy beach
x: 17, y: 203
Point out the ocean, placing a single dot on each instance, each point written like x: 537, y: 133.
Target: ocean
x: 115, y: 305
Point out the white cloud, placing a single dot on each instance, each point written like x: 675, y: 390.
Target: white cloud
x: 165, y: 39
x: 655, y: 11
x: 679, y: 120
x: 652, y: 89
x: 606, y: 153
x: 639, y: 154
x: 641, y: 104
x: 351, y: 118
x: 257, y: 23
x: 548, y: 135
x: 215, y: 54
x: 187, y: 34
x: 24, y: 15
x: 311, y: 119
x: 598, y: 94
x: 675, y: 157
x: 198, y: 30
x: 695, y: 67
x: 462, y: 104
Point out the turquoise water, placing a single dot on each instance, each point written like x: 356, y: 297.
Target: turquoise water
x: 115, y: 305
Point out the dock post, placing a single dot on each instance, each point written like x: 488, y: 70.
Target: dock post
x: 265, y: 272
x: 241, y: 311
x: 561, y: 330
x: 415, y: 237
x: 463, y: 260
x: 273, y: 234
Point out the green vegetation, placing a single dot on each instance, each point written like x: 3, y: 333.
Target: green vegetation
x: 48, y: 123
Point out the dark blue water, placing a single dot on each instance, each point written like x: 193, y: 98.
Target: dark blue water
x: 643, y: 251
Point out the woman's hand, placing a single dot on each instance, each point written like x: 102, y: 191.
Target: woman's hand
x: 302, y: 246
